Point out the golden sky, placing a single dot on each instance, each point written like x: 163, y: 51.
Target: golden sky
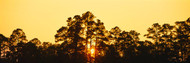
x: 41, y: 18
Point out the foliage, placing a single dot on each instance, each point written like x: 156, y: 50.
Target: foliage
x: 167, y: 44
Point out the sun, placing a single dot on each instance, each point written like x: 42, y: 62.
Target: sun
x: 92, y: 51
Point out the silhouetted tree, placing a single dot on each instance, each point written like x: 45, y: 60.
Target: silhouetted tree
x: 74, y: 42
x: 18, y: 36
x: 182, y: 39
x: 154, y: 33
x: 3, y: 47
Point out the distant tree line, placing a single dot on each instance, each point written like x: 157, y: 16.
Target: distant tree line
x: 167, y: 44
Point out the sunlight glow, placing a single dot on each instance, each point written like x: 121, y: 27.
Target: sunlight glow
x: 92, y: 51
x: 93, y: 43
x: 88, y: 46
x: 121, y: 54
x: 54, y: 13
x: 83, y: 25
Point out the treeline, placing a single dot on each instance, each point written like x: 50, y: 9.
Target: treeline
x: 167, y: 44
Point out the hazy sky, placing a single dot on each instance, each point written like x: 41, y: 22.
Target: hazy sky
x: 41, y: 18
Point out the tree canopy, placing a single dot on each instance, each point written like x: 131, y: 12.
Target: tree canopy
x: 86, y: 39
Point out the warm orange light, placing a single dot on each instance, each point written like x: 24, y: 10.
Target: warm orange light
x: 93, y: 43
x: 92, y: 51
x: 88, y: 46
x: 121, y: 54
